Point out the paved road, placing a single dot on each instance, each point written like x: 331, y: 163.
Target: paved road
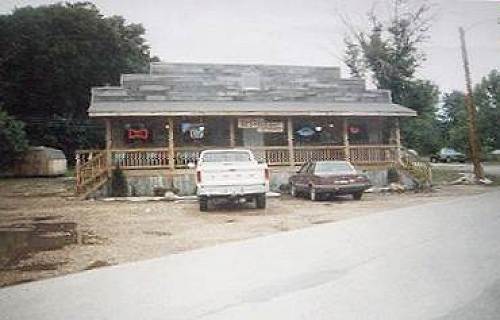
x: 435, y: 261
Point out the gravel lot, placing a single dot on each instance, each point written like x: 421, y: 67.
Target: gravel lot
x: 45, y: 232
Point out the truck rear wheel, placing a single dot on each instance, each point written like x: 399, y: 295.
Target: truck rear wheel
x: 203, y: 203
x: 260, y: 201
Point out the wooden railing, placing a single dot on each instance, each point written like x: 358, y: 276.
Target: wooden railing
x: 318, y: 153
x: 273, y: 156
x: 140, y: 158
x: 373, y: 154
x: 420, y: 169
x: 186, y: 155
x: 91, y: 170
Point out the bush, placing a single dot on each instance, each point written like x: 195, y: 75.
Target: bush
x: 118, y: 183
x: 392, y: 175
x: 13, y: 139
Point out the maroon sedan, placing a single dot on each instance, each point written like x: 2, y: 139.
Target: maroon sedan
x: 319, y: 178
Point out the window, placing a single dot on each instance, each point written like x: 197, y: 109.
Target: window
x: 334, y: 167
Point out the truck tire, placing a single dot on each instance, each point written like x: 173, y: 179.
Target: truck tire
x: 260, y: 201
x: 203, y: 204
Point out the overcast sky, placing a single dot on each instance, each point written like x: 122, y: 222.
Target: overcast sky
x: 300, y: 32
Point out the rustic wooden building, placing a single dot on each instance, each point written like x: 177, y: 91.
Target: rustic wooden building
x: 286, y: 114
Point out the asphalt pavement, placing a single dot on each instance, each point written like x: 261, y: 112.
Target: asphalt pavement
x: 434, y: 261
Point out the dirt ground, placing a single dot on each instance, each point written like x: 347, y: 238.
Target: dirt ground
x: 46, y: 232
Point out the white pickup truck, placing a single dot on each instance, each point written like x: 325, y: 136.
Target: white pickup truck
x: 232, y: 174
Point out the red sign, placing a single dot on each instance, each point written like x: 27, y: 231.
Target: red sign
x: 141, y: 134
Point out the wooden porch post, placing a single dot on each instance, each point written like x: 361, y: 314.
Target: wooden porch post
x: 109, y: 146
x: 171, y: 152
x: 231, y: 132
x: 397, y: 135
x: 291, y: 153
x: 345, y: 139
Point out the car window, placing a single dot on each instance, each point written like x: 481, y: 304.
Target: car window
x: 448, y: 151
x: 334, y: 168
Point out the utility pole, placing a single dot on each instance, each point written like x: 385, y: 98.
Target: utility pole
x: 475, y: 148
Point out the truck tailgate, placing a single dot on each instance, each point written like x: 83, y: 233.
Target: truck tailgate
x: 222, y: 174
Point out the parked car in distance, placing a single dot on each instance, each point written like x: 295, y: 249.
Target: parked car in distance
x: 318, y: 178
x: 231, y: 174
x: 448, y: 155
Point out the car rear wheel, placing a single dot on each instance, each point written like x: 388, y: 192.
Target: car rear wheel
x: 357, y: 195
x: 203, y: 204
x: 433, y: 160
x: 313, y: 195
x: 293, y: 190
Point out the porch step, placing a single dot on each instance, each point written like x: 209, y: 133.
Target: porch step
x: 84, y: 195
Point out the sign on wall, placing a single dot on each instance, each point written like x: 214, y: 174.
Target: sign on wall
x: 260, y: 124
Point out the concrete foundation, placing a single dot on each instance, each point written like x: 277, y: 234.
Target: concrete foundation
x: 142, y: 183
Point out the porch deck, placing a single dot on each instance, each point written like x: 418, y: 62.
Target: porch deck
x: 94, y: 166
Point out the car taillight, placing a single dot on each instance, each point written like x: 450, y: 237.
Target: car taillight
x: 266, y: 173
x: 198, y: 176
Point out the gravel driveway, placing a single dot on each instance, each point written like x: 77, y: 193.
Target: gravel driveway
x: 45, y: 232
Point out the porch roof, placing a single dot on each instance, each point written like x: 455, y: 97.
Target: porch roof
x: 245, y: 108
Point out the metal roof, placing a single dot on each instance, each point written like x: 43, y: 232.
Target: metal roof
x: 245, y: 108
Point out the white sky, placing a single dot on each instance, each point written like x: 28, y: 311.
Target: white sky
x: 300, y: 32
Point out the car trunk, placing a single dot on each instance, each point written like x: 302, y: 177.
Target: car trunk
x: 338, y: 179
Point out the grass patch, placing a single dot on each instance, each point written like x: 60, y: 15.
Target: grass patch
x: 495, y: 179
x: 70, y: 172
x: 443, y: 176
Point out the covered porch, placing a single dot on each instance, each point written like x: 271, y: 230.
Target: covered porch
x: 153, y: 135
x: 171, y: 143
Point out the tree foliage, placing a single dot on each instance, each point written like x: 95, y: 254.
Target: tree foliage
x: 52, y: 55
x: 13, y: 138
x: 389, y: 51
x: 453, y: 114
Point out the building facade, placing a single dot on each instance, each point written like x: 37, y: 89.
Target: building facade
x: 287, y: 115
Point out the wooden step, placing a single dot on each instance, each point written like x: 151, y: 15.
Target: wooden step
x: 94, y: 188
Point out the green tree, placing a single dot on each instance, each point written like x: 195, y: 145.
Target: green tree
x: 390, y: 49
x: 487, y: 99
x: 390, y: 53
x: 52, y: 55
x: 453, y: 115
x: 13, y: 138
x: 453, y: 118
x: 422, y: 132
